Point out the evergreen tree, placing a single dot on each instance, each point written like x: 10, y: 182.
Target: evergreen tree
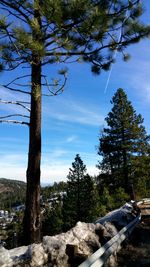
x: 37, y: 33
x: 53, y: 220
x: 123, y: 145
x: 81, y: 202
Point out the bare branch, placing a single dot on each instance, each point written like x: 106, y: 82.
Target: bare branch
x: 19, y: 103
x: 61, y: 89
x: 15, y: 66
x: 16, y: 90
x: 57, y: 92
x: 18, y: 78
x: 23, y: 85
x: 15, y: 122
x: 48, y: 86
x: 14, y: 115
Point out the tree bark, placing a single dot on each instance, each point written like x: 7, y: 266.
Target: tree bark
x: 125, y: 164
x: 32, y: 223
x: 32, y: 211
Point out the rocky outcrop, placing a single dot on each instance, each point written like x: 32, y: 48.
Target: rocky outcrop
x: 63, y: 250
x: 73, y: 247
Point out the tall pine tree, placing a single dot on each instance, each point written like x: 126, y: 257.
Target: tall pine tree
x: 123, y: 145
x: 81, y: 202
x: 37, y: 33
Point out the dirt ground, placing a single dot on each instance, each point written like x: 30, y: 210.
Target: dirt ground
x: 136, y: 252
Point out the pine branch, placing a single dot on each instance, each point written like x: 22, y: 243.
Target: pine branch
x: 13, y: 14
x: 13, y: 44
x: 124, y: 8
x: 96, y: 50
x: 14, y: 7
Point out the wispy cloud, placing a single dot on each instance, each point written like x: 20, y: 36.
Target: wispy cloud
x: 140, y: 80
x: 136, y: 73
x: 71, y: 139
x: 14, y: 167
x: 60, y: 172
x: 57, y: 169
x: 57, y: 153
x: 74, y: 112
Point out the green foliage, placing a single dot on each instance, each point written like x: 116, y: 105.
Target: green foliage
x: 12, y: 193
x: 141, y: 170
x: 124, y: 146
x: 106, y: 200
x: 14, y: 232
x: 81, y: 202
x: 112, y: 200
x: 119, y: 198
x: 48, y: 191
x: 59, y: 30
x: 53, y: 220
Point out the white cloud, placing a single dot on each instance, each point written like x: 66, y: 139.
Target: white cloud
x: 55, y: 169
x: 13, y: 166
x: 51, y: 174
x: 140, y: 81
x: 55, y: 155
x: 13, y: 172
x: 136, y: 73
x: 92, y: 170
x: 59, y: 172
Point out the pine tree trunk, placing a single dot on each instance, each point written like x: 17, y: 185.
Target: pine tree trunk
x: 32, y: 224
x: 32, y: 211
x: 125, y: 164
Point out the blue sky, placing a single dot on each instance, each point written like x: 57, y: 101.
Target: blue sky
x: 72, y: 121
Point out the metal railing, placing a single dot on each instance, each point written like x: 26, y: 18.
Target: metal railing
x: 101, y: 255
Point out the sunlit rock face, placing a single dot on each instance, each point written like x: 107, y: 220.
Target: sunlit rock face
x: 5, y: 259
x: 73, y: 247
x: 60, y: 250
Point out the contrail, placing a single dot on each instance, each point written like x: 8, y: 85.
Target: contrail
x: 110, y: 71
x: 115, y: 54
x: 108, y: 79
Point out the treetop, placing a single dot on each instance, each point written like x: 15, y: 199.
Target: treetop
x: 85, y: 30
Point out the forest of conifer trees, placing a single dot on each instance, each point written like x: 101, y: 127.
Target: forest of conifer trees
x: 124, y: 174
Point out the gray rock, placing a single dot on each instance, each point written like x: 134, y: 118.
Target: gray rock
x: 5, y: 259
x: 60, y: 250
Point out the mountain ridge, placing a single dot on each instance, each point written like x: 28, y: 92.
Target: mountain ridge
x: 11, y: 192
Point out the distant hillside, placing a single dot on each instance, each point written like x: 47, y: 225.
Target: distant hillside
x: 12, y: 192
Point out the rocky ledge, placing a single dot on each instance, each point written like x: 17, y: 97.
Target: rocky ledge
x: 73, y: 247
x: 63, y: 250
